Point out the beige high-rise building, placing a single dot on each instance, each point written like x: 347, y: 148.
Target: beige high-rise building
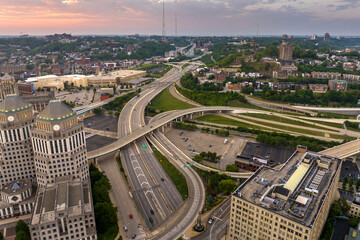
x: 290, y: 203
x: 7, y: 86
x: 16, y: 153
x: 59, y: 145
x: 286, y: 51
x: 64, y: 211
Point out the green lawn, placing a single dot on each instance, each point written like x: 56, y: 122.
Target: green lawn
x: 175, y: 175
x: 331, y: 124
x: 212, y: 118
x: 110, y: 234
x: 164, y: 101
x: 304, y: 131
x: 283, y: 120
x: 227, y: 121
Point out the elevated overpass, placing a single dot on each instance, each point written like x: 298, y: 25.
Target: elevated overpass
x: 279, y: 107
x: 345, y: 111
x: 343, y: 150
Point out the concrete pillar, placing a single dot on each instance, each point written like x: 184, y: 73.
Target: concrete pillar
x: 191, y: 116
x: 163, y: 128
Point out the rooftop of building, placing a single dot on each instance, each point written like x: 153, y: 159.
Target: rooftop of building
x: 119, y: 73
x: 7, y: 77
x: 16, y: 187
x: 67, y: 196
x: 295, y: 191
x: 13, y: 103
x: 56, y: 111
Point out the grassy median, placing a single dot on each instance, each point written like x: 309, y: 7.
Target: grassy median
x: 175, y: 175
x: 164, y: 101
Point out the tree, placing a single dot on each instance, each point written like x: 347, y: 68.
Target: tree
x: 227, y: 185
x: 105, y: 216
x: 1, y: 236
x: 232, y: 168
x: 351, y: 182
x: 98, y: 111
x: 22, y: 236
x: 210, y: 199
x: 357, y: 184
x: 344, y: 186
x: 22, y: 226
x: 22, y: 231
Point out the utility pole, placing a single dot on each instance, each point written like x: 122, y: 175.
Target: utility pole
x: 163, y: 24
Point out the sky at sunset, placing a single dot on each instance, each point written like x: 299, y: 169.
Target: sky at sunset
x: 195, y: 17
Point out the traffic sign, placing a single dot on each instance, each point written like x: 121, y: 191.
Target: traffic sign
x: 184, y: 166
x: 144, y: 147
x: 191, y: 164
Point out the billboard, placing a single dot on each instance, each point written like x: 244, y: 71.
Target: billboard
x: 259, y: 160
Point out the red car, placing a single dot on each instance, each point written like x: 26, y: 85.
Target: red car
x: 130, y: 216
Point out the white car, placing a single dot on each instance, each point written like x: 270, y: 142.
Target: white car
x: 125, y: 229
x: 210, y: 221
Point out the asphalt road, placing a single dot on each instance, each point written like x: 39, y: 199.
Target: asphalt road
x: 123, y: 199
x: 154, y: 193
x: 218, y: 228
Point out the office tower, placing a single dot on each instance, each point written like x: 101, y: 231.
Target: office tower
x: 16, y: 153
x: 286, y: 51
x: 64, y: 211
x: 284, y: 36
x: 290, y: 203
x: 327, y: 37
x: 59, y: 144
x: 7, y: 86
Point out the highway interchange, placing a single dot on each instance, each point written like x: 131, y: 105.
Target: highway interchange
x: 156, y: 197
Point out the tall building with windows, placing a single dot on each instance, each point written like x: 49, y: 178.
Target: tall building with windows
x: 16, y: 153
x: 326, y: 37
x: 290, y: 203
x: 7, y: 86
x: 64, y: 211
x: 59, y: 145
x: 286, y: 51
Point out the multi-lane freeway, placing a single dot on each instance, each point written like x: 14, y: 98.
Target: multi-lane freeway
x: 154, y: 193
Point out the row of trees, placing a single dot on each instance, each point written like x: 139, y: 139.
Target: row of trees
x: 185, y: 126
x: 306, y: 96
x: 119, y: 102
x: 211, y: 98
x: 207, y: 156
x: 220, y: 132
x: 350, y: 183
x: 192, y: 83
x: 287, y: 140
x: 105, y: 211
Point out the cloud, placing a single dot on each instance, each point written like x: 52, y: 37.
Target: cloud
x: 70, y: 2
x: 211, y: 17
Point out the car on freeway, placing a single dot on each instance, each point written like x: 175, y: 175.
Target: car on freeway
x: 152, y: 211
x: 210, y: 221
x: 151, y: 220
x: 133, y: 236
x: 131, y: 216
x: 125, y: 228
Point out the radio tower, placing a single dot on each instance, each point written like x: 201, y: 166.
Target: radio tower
x: 176, y: 18
x: 163, y: 24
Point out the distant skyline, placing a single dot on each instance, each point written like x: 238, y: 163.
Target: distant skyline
x: 195, y: 17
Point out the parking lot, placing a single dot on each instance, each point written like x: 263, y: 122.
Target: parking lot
x: 82, y: 97
x: 95, y: 141
x: 192, y: 143
x: 101, y: 122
